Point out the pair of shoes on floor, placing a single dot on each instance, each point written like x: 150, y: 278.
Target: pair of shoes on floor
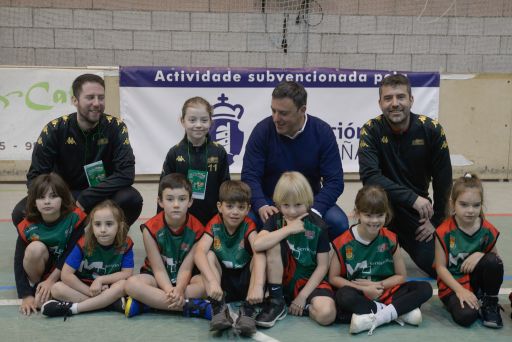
x: 490, y: 312
x: 273, y: 310
x: 368, y: 322
x: 221, y: 318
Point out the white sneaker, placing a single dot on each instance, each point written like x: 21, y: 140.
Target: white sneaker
x: 361, y: 323
x: 412, y: 317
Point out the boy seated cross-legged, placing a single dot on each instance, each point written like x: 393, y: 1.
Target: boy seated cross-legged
x: 166, y: 281
x: 225, y: 255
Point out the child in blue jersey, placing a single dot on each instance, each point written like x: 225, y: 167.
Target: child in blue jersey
x: 197, y: 156
x: 166, y: 281
x: 95, y: 272
x: 225, y: 255
x: 297, y: 247
x: 46, y: 235
x: 469, y: 270
x: 369, y: 271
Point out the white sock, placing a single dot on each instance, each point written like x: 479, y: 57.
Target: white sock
x: 379, y: 306
x: 74, y: 308
x: 386, y: 315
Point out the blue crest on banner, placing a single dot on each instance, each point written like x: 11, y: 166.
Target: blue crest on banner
x: 225, y: 129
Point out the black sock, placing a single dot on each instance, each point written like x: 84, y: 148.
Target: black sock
x: 275, y: 290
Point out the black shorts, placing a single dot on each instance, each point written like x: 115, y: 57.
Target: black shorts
x: 235, y: 282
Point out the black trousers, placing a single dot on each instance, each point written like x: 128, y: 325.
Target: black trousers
x: 404, y: 224
x: 486, y: 279
x: 408, y: 297
x: 129, y: 199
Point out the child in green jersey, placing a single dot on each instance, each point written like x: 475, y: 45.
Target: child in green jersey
x: 225, y: 255
x: 297, y: 247
x: 50, y: 230
x: 166, y: 281
x: 469, y: 270
x: 95, y: 272
x: 369, y: 271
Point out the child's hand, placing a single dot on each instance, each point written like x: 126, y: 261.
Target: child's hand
x: 255, y: 295
x: 297, y: 306
x: 214, y: 290
x: 43, y: 292
x: 175, y: 298
x: 28, y: 305
x: 471, y: 261
x: 468, y: 297
x: 96, y: 287
x: 371, y: 289
x: 297, y: 225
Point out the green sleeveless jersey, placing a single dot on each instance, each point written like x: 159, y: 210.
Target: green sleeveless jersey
x: 303, y: 247
x: 233, y: 251
x: 55, y: 235
x: 173, y: 246
x: 458, y: 245
x: 102, y: 261
x: 359, y: 261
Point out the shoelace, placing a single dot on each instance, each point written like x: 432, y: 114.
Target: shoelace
x: 373, y: 318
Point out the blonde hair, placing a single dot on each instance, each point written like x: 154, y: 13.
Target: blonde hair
x: 122, y: 228
x: 293, y: 187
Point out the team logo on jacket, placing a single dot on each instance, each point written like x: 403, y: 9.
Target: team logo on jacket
x: 382, y: 247
x: 310, y: 235
x: 225, y: 130
x: 348, y: 253
x: 184, y: 246
x: 70, y: 141
x: 452, y: 242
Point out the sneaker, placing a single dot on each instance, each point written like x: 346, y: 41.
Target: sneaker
x: 221, y: 319
x: 246, y: 324
x: 412, y: 317
x: 118, y: 306
x: 490, y: 312
x: 360, y: 323
x: 56, y: 308
x: 274, y: 309
x: 197, y: 307
x: 133, y: 307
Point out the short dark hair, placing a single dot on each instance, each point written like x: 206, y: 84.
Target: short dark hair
x: 293, y: 90
x: 235, y: 191
x: 37, y: 189
x: 82, y: 79
x: 174, y: 181
x: 395, y: 80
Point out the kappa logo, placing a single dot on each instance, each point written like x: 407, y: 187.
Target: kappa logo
x: 70, y: 141
x: 180, y: 159
x: 225, y: 130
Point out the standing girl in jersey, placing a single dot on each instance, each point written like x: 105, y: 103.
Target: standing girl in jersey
x: 203, y: 161
x: 469, y: 270
x: 369, y: 271
x: 95, y: 272
x: 52, y: 226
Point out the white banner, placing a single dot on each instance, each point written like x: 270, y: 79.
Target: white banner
x: 152, y: 97
x: 29, y: 99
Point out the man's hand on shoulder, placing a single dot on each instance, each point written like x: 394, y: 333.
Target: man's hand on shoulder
x: 423, y: 207
x: 425, y: 231
x: 266, y: 211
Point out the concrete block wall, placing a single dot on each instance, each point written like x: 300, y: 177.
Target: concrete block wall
x: 466, y: 36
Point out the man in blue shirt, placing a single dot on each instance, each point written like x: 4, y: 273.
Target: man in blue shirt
x: 291, y: 140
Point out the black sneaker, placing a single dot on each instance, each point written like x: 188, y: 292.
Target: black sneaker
x: 246, y: 324
x: 118, y: 305
x: 490, y: 312
x: 221, y: 319
x: 274, y: 309
x: 56, y: 308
